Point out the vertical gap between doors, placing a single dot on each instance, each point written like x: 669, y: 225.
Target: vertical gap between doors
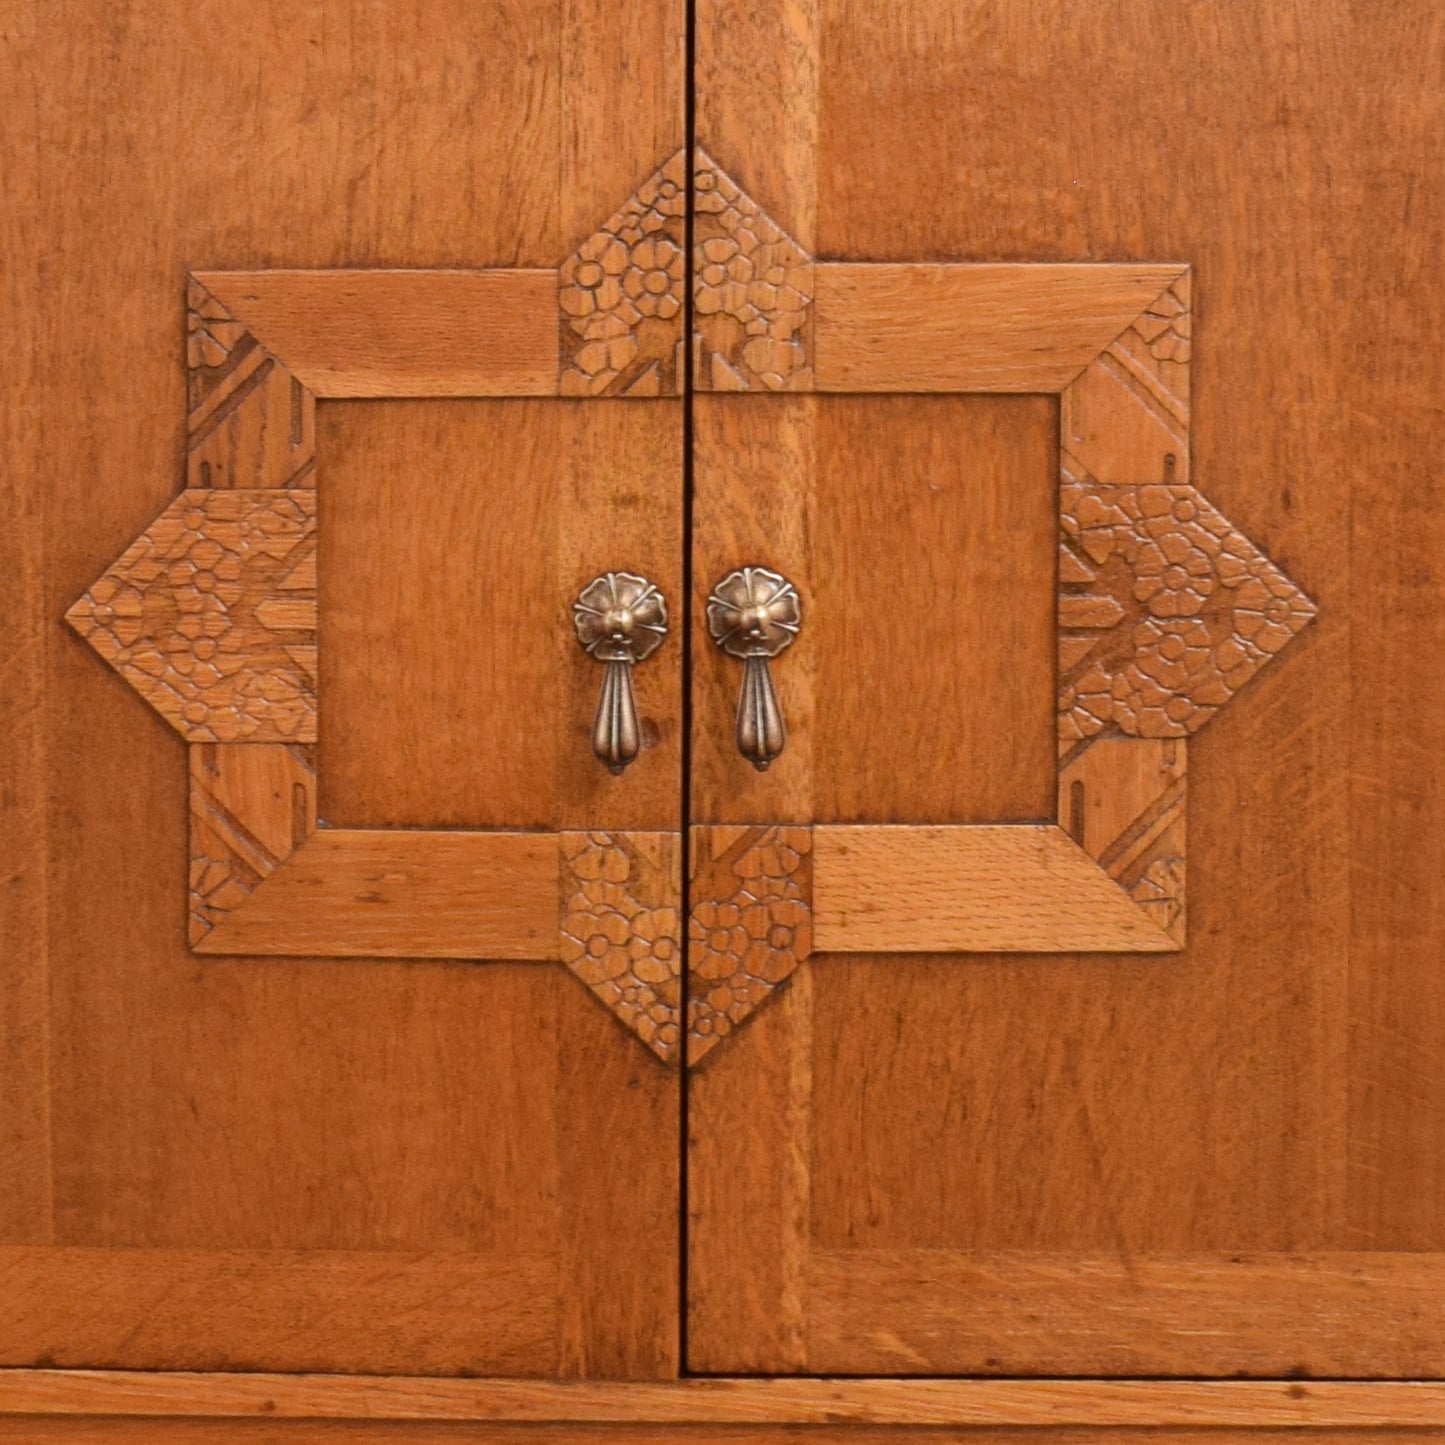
x: 689, y: 112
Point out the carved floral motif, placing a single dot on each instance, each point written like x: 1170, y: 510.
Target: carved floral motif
x: 211, y: 615
x: 621, y: 293
x: 1165, y: 609
x: 751, y: 924
x: 752, y: 292
x: 620, y: 933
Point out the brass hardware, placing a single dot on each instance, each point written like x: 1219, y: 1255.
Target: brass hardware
x: 620, y: 619
x: 754, y: 614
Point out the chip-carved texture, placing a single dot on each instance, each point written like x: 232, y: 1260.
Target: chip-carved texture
x: 621, y: 292
x: 211, y: 615
x: 750, y: 924
x: 621, y: 896
x: 1165, y: 610
x: 250, y: 423
x: 1122, y: 800
x: 1125, y: 417
x: 251, y: 805
x: 752, y: 292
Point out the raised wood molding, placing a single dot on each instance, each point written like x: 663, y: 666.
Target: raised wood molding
x: 1122, y: 801
x: 354, y: 333
x: 1021, y: 888
x: 250, y: 422
x: 401, y: 893
x: 1165, y: 609
x: 973, y: 327
x: 1240, y: 1405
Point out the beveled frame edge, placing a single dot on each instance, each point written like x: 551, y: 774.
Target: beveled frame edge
x: 1062, y: 1404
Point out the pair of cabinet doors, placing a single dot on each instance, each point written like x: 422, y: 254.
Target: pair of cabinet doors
x: 352, y: 344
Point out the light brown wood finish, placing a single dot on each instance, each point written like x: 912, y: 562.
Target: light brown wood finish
x: 1031, y: 889
x: 934, y: 328
x: 1291, y: 1407
x: 1268, y: 1090
x: 402, y: 893
x: 326, y: 1432
x: 350, y: 333
x: 387, y: 1111
x: 1075, y: 1313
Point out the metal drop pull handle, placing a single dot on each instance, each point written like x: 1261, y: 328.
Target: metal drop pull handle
x: 754, y: 613
x: 620, y: 619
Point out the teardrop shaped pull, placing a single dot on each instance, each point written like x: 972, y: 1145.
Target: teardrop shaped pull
x: 619, y: 619
x: 754, y: 613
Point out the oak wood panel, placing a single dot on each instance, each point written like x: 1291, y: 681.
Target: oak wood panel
x: 456, y: 694
x: 1024, y: 888
x: 1396, y: 785
x: 283, y: 1104
x: 931, y: 568
x: 934, y: 1310
x: 440, y: 630
x: 257, y: 1309
x: 350, y: 333
x: 1222, y: 1099
x: 973, y: 328
x: 750, y: 1105
x: 1285, y: 1405
x: 920, y: 533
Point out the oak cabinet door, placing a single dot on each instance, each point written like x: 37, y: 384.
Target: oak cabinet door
x: 1059, y: 362
x: 346, y: 351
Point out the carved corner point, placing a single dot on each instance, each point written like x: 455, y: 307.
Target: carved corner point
x: 749, y: 927
x: 621, y: 897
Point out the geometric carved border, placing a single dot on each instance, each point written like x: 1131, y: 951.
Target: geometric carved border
x: 211, y: 616
x: 1165, y: 609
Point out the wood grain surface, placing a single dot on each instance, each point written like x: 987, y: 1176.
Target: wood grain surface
x: 1295, y: 1408
x: 431, y: 1122
x: 353, y: 333
x: 1025, y: 889
x: 1270, y: 1089
x: 329, y: 1432
x: 977, y: 328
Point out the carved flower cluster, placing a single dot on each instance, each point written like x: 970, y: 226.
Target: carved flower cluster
x: 753, y: 288
x: 628, y: 273
x: 743, y: 944
x: 627, y: 952
x: 1200, y: 610
x: 183, y: 616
